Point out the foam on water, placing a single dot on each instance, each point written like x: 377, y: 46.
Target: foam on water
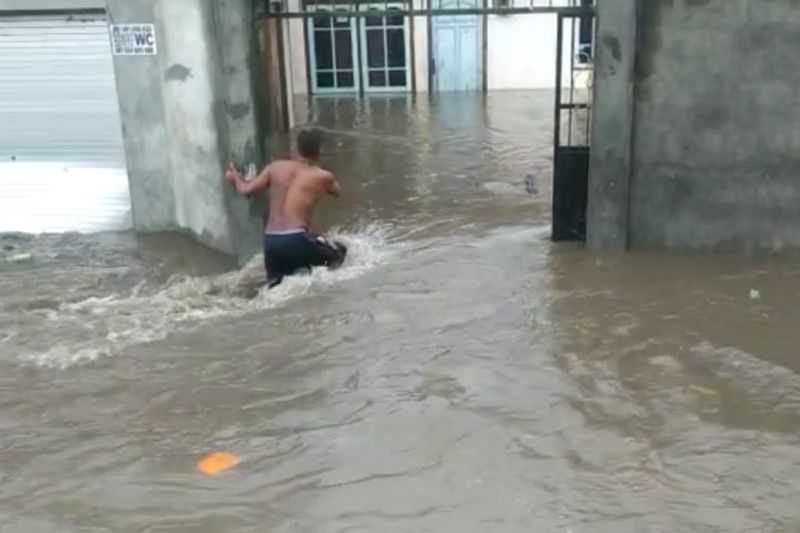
x: 102, y: 327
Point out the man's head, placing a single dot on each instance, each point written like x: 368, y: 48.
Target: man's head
x: 309, y: 143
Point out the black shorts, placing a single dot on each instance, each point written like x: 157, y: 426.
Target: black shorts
x: 292, y: 252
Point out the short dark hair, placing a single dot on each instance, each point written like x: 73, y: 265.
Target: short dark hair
x: 309, y: 142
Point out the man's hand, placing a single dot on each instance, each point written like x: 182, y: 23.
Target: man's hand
x: 244, y: 187
x: 333, y: 186
x: 232, y: 174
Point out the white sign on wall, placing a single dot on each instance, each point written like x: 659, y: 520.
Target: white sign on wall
x: 133, y: 39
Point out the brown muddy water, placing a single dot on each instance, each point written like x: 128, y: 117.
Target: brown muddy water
x: 460, y: 373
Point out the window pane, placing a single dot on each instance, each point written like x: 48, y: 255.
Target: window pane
x: 586, y: 30
x: 394, y: 20
x: 377, y: 78
x: 344, y: 49
x: 322, y: 21
x: 345, y: 80
x: 397, y: 78
x: 373, y: 21
x: 397, y: 48
x: 323, y: 53
x: 375, y: 50
x: 325, y: 80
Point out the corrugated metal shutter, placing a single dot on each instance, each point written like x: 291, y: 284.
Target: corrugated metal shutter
x: 62, y: 163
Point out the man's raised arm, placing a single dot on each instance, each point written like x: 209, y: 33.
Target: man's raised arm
x: 248, y: 188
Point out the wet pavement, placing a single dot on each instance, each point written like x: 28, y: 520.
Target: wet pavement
x: 460, y: 373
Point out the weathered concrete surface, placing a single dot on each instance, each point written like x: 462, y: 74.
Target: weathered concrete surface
x: 186, y: 113
x: 716, y: 162
x: 144, y: 130
x: 610, y: 165
x: 240, y: 110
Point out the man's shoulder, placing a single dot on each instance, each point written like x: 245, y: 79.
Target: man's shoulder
x: 325, y: 174
x: 316, y: 173
x: 282, y: 163
x: 284, y: 167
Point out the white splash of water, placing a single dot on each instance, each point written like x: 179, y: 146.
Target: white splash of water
x: 115, y: 322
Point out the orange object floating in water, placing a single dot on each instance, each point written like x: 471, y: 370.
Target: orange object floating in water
x: 216, y: 463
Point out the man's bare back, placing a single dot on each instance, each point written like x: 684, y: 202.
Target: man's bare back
x: 296, y: 187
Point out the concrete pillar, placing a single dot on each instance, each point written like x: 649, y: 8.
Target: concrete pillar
x: 186, y: 112
x: 241, y: 111
x: 612, y: 125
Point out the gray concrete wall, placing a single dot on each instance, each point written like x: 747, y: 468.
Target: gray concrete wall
x: 186, y: 112
x: 716, y: 153
x: 144, y: 130
x: 241, y: 111
x: 612, y: 123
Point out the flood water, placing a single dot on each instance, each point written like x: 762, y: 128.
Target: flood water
x: 459, y: 373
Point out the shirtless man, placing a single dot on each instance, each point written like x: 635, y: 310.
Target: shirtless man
x: 296, y: 187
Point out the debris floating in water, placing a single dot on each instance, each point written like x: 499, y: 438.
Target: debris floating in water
x: 20, y: 258
x: 530, y: 184
x: 217, y: 463
x: 754, y: 294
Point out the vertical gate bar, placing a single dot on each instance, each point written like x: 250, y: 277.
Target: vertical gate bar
x: 485, y: 49
x: 412, y: 40
x: 557, y: 126
x: 282, y: 77
x: 334, y: 63
x: 363, y: 70
x: 307, y: 46
x: 590, y: 90
x: 385, y: 32
x: 559, y: 52
x: 571, y: 81
x: 431, y: 64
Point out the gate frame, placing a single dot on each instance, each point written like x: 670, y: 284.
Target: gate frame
x: 570, y: 161
x: 569, y: 11
x: 275, y: 9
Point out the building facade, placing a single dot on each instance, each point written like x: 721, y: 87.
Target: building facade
x: 339, y: 55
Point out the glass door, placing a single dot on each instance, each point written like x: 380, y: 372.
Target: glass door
x: 332, y: 52
x: 384, y: 51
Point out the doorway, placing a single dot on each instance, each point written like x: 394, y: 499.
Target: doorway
x: 456, y: 52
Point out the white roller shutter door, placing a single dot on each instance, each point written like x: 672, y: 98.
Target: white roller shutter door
x: 62, y: 163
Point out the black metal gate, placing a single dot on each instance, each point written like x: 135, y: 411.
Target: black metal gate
x: 573, y: 117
